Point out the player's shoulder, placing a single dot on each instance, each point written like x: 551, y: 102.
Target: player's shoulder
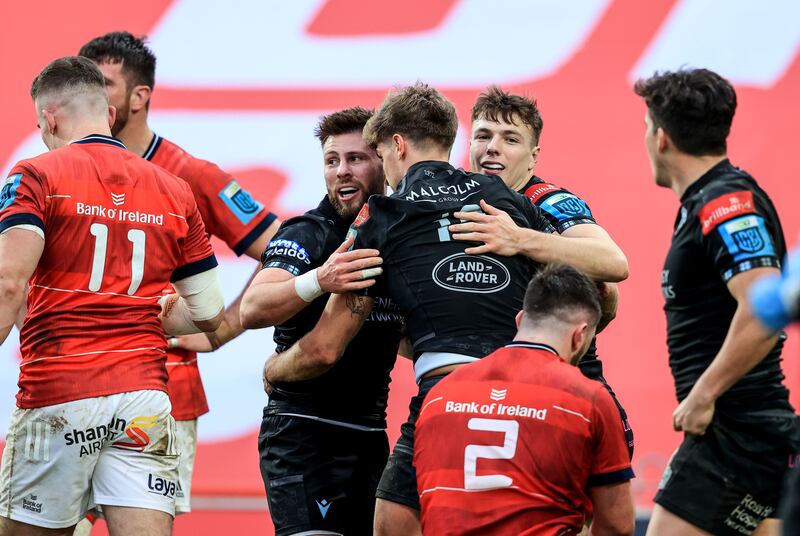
x: 181, y: 162
x: 722, y: 181
x: 318, y: 222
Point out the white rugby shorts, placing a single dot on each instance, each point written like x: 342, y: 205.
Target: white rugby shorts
x: 186, y: 440
x: 61, y: 460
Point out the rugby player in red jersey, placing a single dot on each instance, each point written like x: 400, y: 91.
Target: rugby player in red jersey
x: 98, y: 233
x: 228, y: 211
x: 521, y: 442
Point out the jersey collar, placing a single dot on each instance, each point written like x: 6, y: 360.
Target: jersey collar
x: 708, y: 176
x: 418, y: 171
x: 533, y: 180
x: 155, y: 143
x: 100, y: 138
x: 532, y: 346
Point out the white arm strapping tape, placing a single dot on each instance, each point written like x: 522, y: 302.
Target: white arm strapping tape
x: 27, y: 227
x: 307, y: 286
x: 201, y: 299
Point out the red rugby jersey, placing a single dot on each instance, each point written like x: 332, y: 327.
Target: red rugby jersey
x: 117, y: 230
x: 509, y: 444
x: 230, y: 214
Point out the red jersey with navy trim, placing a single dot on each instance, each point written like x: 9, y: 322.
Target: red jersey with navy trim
x: 230, y: 214
x: 510, y: 444
x: 117, y: 230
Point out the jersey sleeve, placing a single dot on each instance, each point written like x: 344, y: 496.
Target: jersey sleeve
x: 735, y: 235
x: 23, y: 199
x: 611, y: 461
x: 297, y: 247
x: 197, y: 256
x: 536, y: 218
x: 229, y: 211
x: 562, y: 208
x: 366, y: 230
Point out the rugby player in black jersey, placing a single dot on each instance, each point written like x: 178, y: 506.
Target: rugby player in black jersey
x: 323, y: 444
x: 506, y: 129
x: 740, y: 430
x: 458, y: 307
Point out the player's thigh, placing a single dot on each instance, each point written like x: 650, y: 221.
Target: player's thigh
x: 395, y: 519
x: 123, y: 520
x: 138, y: 468
x: 665, y: 523
x: 48, y: 461
x: 186, y: 441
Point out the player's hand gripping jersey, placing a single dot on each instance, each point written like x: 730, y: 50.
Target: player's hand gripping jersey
x: 229, y: 213
x: 511, y: 444
x: 458, y: 307
x: 116, y: 230
x: 357, y: 388
x: 726, y: 225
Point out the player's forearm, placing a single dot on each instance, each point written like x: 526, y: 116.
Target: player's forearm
x: 305, y: 360
x: 266, y: 304
x: 12, y: 296
x: 231, y: 326
x: 600, y: 259
x: 745, y: 346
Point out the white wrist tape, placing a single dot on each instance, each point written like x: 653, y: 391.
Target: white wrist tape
x: 307, y: 286
x: 202, y: 295
x: 178, y: 320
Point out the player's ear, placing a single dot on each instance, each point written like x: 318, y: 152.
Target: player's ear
x: 399, y: 145
x: 662, y: 139
x: 112, y: 116
x: 534, y: 158
x: 139, y: 98
x: 579, y: 335
x: 50, y: 119
x: 518, y: 319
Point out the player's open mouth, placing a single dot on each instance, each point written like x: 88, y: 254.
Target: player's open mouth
x: 347, y: 193
x: 492, y: 168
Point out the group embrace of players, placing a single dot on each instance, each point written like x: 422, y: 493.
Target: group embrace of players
x: 494, y: 282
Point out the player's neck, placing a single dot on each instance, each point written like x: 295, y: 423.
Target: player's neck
x: 551, y: 339
x: 81, y: 129
x: 519, y: 183
x: 687, y: 169
x: 136, y: 137
x: 431, y: 155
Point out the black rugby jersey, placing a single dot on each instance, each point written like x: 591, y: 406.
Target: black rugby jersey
x: 563, y: 209
x: 356, y: 389
x: 453, y: 302
x: 726, y: 225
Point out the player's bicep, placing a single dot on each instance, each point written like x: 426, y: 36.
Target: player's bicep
x: 20, y: 251
x: 258, y: 246
x: 740, y: 284
x: 296, y: 248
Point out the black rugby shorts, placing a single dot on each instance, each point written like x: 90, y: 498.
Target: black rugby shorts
x: 399, y: 481
x: 320, y: 476
x: 730, y: 479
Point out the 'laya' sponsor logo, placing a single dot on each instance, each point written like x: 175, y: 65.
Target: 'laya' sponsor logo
x: 471, y: 273
x: 161, y: 486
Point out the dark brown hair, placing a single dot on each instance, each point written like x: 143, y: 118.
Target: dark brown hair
x: 695, y: 108
x: 342, y: 122
x: 138, y: 61
x: 419, y: 113
x: 495, y: 103
x: 560, y: 291
x: 67, y: 73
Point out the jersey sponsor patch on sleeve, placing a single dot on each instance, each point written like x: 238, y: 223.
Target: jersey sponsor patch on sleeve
x: 536, y: 191
x: 9, y: 190
x: 240, y: 202
x: 746, y: 237
x: 725, y: 208
x: 282, y: 247
x: 565, y: 206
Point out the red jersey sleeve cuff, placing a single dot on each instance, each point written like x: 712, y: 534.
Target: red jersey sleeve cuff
x: 21, y: 219
x: 194, y: 268
x: 254, y: 233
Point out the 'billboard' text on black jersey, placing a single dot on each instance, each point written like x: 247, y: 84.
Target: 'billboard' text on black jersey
x: 457, y: 306
x: 726, y: 225
x: 356, y: 389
